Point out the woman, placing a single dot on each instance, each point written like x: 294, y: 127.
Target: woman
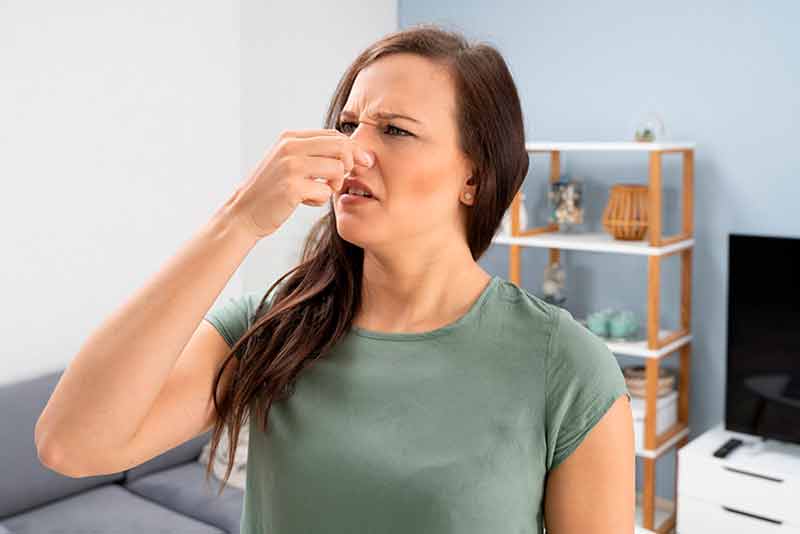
x: 457, y: 401
x: 396, y: 386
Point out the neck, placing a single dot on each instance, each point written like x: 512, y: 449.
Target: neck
x: 417, y: 296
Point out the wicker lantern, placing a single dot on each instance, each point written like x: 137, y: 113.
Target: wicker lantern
x: 625, y: 215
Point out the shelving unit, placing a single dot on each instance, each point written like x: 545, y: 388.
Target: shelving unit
x: 654, y: 514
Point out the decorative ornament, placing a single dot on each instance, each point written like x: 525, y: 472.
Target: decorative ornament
x: 554, y: 282
x: 649, y: 127
x: 566, y: 204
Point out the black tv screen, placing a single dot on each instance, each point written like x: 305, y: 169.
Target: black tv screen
x: 763, y: 340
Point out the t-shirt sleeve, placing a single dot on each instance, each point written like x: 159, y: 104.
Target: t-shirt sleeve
x: 234, y: 315
x: 582, y: 381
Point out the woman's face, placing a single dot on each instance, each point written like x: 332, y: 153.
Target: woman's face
x: 419, y: 172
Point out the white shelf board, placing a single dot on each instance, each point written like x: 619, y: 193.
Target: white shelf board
x: 655, y: 453
x: 639, y: 348
x: 592, y: 242
x: 608, y: 146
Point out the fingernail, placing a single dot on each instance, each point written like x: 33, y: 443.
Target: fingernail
x: 366, y: 158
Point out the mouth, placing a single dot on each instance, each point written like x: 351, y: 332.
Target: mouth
x: 355, y: 188
x: 349, y: 199
x: 356, y: 195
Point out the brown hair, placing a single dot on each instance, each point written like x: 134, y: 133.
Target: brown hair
x: 322, y: 294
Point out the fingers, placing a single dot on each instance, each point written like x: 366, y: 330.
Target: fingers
x: 315, y: 193
x: 327, y: 155
x: 330, y: 170
x: 337, y: 182
x: 303, y: 134
x: 339, y: 147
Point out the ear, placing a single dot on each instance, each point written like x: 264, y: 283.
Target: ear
x: 468, y: 191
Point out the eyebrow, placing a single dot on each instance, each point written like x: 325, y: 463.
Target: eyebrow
x: 381, y: 115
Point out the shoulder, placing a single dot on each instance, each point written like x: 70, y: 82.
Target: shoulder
x: 575, y: 351
x: 564, y: 340
x: 523, y: 314
x: 582, y: 381
x: 232, y: 316
x: 552, y: 330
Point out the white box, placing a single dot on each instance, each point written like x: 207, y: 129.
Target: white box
x: 666, y: 415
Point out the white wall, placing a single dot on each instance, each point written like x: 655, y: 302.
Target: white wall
x: 119, y: 135
x: 124, y: 125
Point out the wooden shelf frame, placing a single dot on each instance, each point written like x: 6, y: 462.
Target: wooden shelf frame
x: 665, y: 442
x: 658, y: 344
x: 654, y: 195
x: 666, y: 515
x: 653, y: 441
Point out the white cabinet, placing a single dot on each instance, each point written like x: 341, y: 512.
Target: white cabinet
x: 755, y: 489
x: 695, y: 515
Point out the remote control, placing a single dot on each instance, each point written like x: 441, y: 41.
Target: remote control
x: 727, y: 447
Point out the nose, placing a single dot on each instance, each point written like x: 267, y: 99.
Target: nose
x: 362, y: 135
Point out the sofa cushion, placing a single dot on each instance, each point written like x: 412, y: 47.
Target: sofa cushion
x: 185, y: 490
x: 24, y: 481
x: 109, y: 508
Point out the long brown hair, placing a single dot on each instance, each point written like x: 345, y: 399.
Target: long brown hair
x: 314, y: 303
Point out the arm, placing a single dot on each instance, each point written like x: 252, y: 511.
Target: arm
x: 593, y: 490
x: 590, y: 483
x: 109, y: 387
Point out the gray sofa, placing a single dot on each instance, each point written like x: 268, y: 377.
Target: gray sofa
x: 167, y: 494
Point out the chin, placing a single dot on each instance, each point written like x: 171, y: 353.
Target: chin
x: 354, y: 231
x: 352, y: 235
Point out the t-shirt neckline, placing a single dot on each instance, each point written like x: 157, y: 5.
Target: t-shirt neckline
x: 408, y: 336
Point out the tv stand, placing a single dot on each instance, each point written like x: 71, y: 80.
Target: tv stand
x: 755, y: 488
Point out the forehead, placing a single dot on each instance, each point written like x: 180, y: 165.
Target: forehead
x: 403, y: 83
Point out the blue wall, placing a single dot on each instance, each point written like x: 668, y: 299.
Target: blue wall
x: 723, y: 74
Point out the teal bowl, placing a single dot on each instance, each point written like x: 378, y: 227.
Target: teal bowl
x: 623, y: 324
x: 598, y: 322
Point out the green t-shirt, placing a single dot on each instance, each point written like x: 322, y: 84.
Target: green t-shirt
x: 452, y: 430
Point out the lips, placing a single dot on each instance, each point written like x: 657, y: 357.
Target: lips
x: 356, y: 184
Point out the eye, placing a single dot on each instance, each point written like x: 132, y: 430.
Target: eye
x: 342, y: 126
x: 404, y: 133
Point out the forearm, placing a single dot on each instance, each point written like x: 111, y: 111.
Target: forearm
x: 109, y: 386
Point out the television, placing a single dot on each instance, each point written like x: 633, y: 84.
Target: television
x: 763, y: 338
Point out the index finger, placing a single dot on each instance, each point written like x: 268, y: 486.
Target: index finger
x: 344, y: 148
x: 304, y: 134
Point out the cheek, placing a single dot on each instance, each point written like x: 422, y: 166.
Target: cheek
x: 420, y: 184
x: 420, y: 200
x: 413, y: 184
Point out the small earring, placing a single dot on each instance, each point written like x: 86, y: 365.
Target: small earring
x: 468, y: 195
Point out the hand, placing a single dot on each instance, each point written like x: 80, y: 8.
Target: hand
x: 303, y: 166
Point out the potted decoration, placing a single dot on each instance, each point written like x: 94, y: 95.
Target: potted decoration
x: 649, y: 128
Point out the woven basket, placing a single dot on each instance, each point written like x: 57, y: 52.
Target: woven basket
x: 625, y: 215
x: 636, y: 382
